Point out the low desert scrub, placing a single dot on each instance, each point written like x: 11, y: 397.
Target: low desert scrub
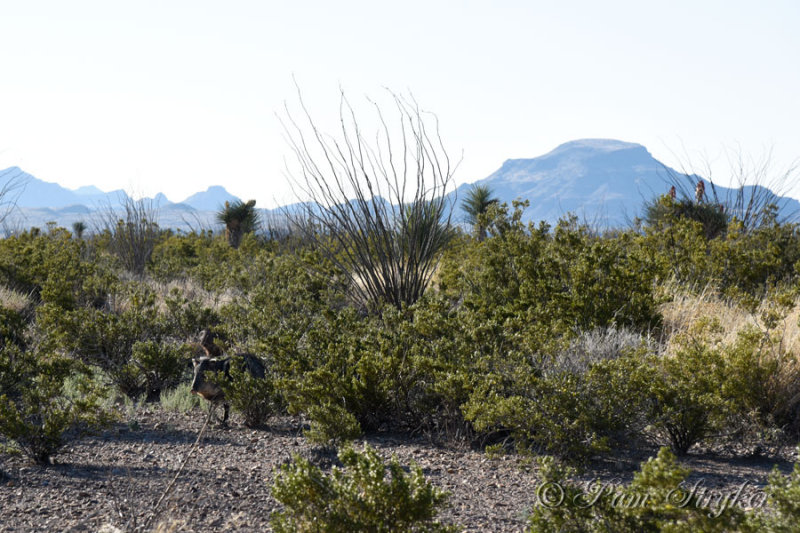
x: 47, y: 401
x: 180, y: 399
x: 660, y: 499
x: 359, y: 496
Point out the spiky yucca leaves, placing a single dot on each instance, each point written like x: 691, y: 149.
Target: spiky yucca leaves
x: 477, y: 203
x: 239, y: 218
x: 665, y: 210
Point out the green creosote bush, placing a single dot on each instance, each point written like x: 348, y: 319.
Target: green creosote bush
x: 674, y: 399
x: 400, y: 370
x: 707, y: 387
x: 38, y: 414
x: 359, y: 496
x: 684, y: 401
x: 782, y: 514
x: 186, y: 317
x: 12, y: 325
x: 331, y: 424
x: 55, y: 269
x: 541, y: 414
x: 107, y: 339
x: 158, y: 366
x: 658, y: 499
x: 256, y: 399
x: 737, y: 259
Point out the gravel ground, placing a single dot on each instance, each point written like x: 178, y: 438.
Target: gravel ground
x: 116, y: 478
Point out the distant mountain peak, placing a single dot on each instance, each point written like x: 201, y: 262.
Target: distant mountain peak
x: 161, y: 199
x: 211, y: 199
x: 606, y: 181
x: 600, y: 145
x: 87, y: 190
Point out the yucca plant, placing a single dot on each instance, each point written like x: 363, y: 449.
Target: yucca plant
x: 477, y: 203
x: 239, y: 218
x: 79, y: 228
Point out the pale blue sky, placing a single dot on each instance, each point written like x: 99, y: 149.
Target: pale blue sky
x: 175, y: 96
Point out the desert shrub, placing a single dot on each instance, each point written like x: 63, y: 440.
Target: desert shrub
x: 683, y: 400
x: 573, y: 404
x: 54, y: 268
x: 12, y: 326
x: 544, y: 414
x: 158, y: 366
x: 131, y: 233
x: 37, y: 414
x: 654, y: 501
x: 185, y: 317
x: 521, y: 297
x: 665, y: 211
x: 782, y: 514
x: 756, y: 260
x: 682, y: 410
x: 209, y: 261
x: 331, y: 424
x: 284, y: 297
x: 323, y: 382
x: 179, y: 399
x: 182, y: 256
x: 565, y: 280
x: 703, y: 386
x: 255, y: 398
x: 357, y: 497
x: 763, y: 379
x: 402, y: 370
x: 696, y: 250
x: 432, y: 372
x: 106, y: 339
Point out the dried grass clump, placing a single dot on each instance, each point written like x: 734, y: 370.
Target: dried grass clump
x: 13, y: 300
x: 687, y: 307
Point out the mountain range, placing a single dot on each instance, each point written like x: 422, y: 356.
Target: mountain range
x: 38, y: 202
x: 603, y: 181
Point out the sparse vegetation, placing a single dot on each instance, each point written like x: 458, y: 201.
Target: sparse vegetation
x: 359, y: 496
x: 37, y: 414
x: 373, y: 315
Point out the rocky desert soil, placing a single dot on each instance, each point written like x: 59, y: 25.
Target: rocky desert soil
x: 111, y: 482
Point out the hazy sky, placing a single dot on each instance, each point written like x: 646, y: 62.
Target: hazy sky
x: 174, y: 96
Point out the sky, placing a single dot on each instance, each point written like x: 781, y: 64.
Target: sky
x: 174, y: 96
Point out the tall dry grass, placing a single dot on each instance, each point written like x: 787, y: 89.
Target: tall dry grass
x: 687, y: 307
x: 14, y: 300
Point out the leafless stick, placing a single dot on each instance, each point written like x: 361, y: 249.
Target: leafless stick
x: 167, y: 490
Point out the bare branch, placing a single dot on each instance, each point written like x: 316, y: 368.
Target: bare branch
x: 383, y: 218
x: 12, y: 184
